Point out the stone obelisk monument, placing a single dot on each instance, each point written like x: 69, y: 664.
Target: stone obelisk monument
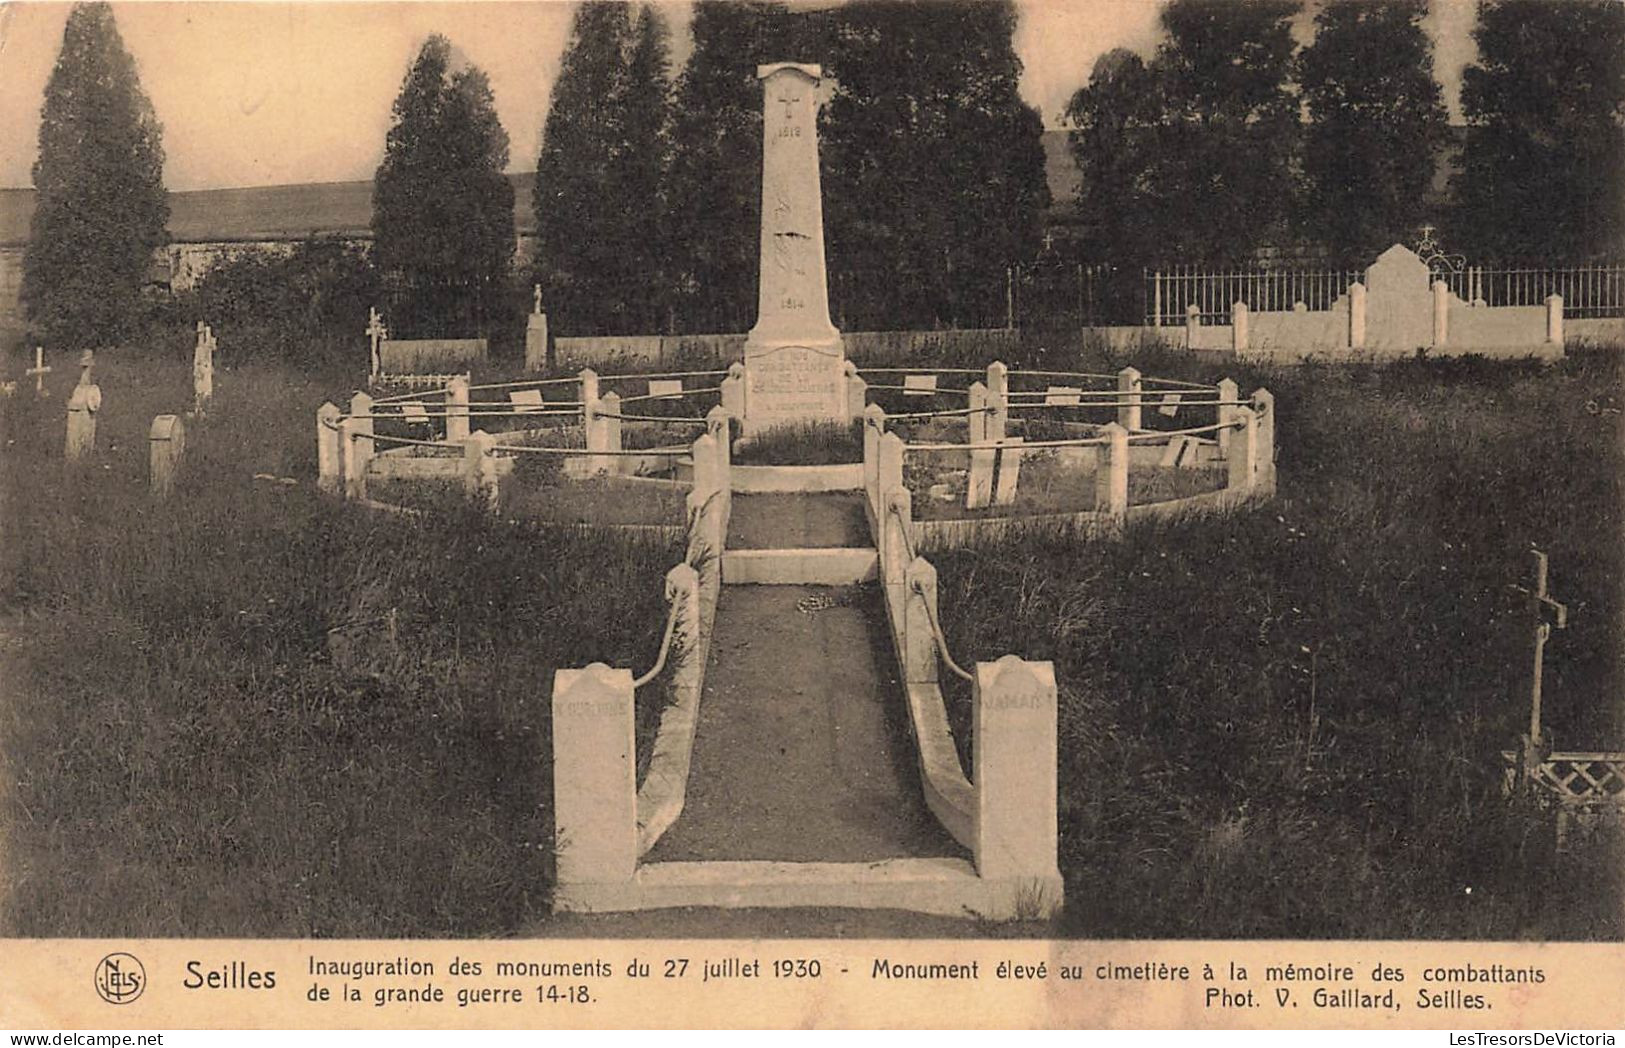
x: 793, y: 356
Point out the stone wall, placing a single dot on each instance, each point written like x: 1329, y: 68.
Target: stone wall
x: 661, y: 350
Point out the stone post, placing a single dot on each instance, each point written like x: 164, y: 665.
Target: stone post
x: 166, y: 450
x: 976, y: 421
x: 1193, y: 323
x: 1129, y: 399
x: 1014, y: 759
x: 857, y: 391
x: 595, y: 802
x: 1238, y: 328
x: 874, y: 427
x: 457, y: 429
x: 707, y: 468
x: 1554, y: 319
x: 329, y: 453
x: 919, y: 603
x: 361, y: 409
x: 352, y: 467
x: 979, y: 481
x: 536, y: 341
x: 609, y: 422
x: 1228, y: 391
x: 895, y: 529
x: 1441, y: 313
x: 479, y: 468
x: 890, y: 458
x: 1111, y: 475
x: 1264, y: 411
x: 998, y: 398
x: 683, y: 590
x: 1243, y: 457
x: 589, y: 387
x: 733, y: 391
x: 1356, y: 315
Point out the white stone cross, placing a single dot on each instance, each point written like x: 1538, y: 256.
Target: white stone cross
x: 39, y: 371
x: 536, y: 298
x: 376, y: 331
x: 203, y: 369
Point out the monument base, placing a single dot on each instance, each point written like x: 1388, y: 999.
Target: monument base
x: 793, y: 380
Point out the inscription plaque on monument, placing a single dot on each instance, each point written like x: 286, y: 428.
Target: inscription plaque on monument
x: 793, y: 356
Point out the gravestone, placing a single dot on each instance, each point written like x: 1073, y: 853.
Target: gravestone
x: 1398, y: 302
x: 793, y: 356
x: 83, y: 406
x: 166, y: 444
x: 536, y: 334
x: 203, y: 369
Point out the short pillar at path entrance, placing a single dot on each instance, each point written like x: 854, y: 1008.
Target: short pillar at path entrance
x: 794, y: 357
x: 83, y: 407
x: 1015, y: 745
x: 595, y: 790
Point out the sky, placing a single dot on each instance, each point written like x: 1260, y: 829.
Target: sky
x: 271, y: 93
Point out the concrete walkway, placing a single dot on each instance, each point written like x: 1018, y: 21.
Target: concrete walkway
x: 803, y: 752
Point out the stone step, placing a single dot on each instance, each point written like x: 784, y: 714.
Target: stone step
x: 945, y: 886
x: 813, y: 566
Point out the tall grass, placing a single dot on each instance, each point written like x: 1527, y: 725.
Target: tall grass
x: 250, y: 710
x: 1288, y: 722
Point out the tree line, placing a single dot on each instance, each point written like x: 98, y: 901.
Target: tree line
x: 1231, y: 138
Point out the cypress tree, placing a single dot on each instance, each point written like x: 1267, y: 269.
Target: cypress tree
x: 100, y: 208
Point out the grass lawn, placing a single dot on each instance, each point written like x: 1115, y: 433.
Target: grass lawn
x: 1288, y: 722
x: 209, y: 726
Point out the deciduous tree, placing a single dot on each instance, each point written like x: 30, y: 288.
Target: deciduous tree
x: 1545, y: 154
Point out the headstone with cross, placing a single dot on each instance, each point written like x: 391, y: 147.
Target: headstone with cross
x: 39, y: 371
x: 1546, y: 615
x: 377, y: 332
x: 203, y: 369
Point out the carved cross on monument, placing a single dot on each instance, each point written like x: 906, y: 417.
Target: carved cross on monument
x: 1547, y: 614
x: 39, y: 371
x: 376, y: 331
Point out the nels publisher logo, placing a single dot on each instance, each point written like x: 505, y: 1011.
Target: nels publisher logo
x: 120, y: 978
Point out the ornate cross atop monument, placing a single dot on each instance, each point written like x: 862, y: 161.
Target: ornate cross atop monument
x: 794, y: 355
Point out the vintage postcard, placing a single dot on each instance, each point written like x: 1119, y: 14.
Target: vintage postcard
x: 799, y: 513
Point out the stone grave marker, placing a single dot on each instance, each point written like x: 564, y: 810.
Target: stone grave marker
x: 415, y: 411
x: 979, y: 485
x: 39, y: 371
x: 166, y: 451
x: 1063, y: 395
x: 1170, y: 405
x: 1009, y: 471
x: 83, y: 407
x: 793, y: 356
x: 665, y: 388
x: 203, y: 369
x: 525, y: 401
x: 376, y: 332
x: 919, y: 385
